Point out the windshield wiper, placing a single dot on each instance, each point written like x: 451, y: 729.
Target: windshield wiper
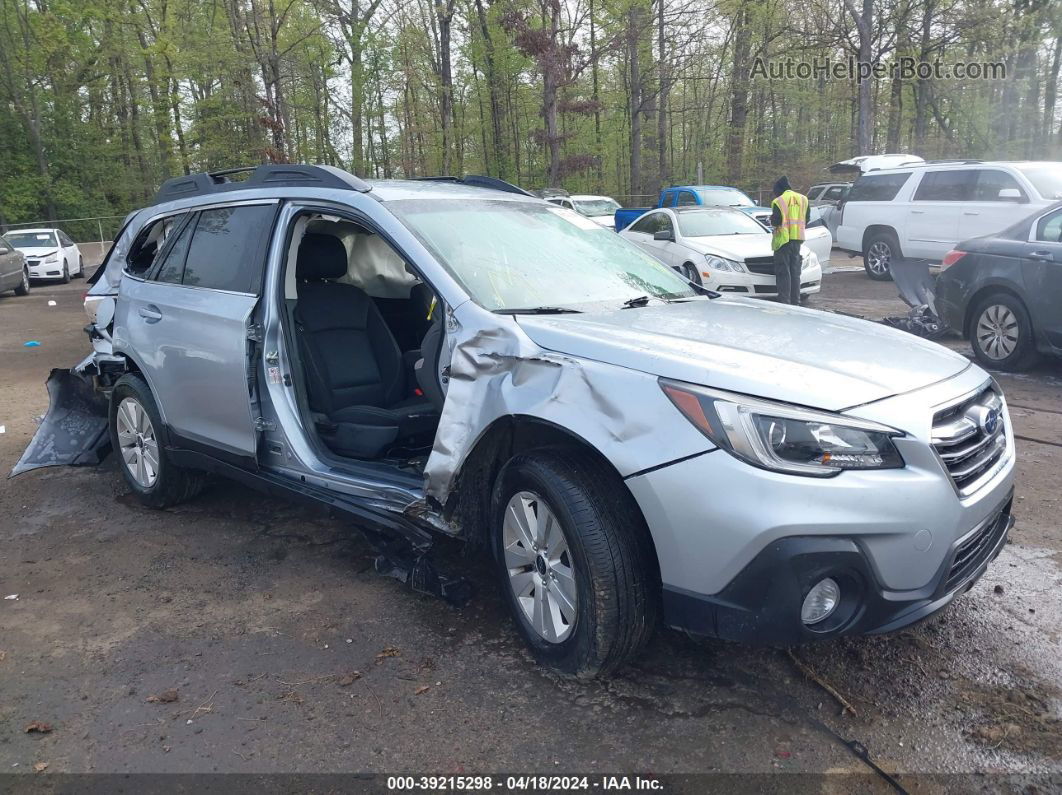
x: 539, y: 310
x: 631, y: 303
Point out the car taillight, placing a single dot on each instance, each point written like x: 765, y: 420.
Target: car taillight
x: 951, y: 258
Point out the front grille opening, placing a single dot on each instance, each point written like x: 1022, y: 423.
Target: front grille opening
x: 971, y: 438
x: 975, y: 550
x: 761, y: 265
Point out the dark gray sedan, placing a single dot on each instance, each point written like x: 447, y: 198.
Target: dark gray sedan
x: 14, y: 273
x: 1003, y: 292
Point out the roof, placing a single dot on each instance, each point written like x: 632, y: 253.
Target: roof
x: 704, y: 187
x: 35, y: 229
x: 960, y: 164
x: 590, y: 197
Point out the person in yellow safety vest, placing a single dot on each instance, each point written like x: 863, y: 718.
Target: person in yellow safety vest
x: 790, y: 213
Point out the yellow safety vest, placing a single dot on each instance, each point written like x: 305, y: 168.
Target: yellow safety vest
x: 794, y: 209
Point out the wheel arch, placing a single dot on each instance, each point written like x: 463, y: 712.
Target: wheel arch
x: 875, y: 229
x: 506, y: 437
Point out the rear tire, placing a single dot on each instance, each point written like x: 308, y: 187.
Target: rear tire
x: 136, y: 437
x: 1001, y: 334
x: 880, y: 249
x: 24, y: 286
x: 608, y: 563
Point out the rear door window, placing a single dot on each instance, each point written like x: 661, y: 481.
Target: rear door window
x: 647, y: 224
x: 171, y: 266
x: 877, y: 187
x: 227, y: 248
x: 954, y: 185
x: 1049, y: 228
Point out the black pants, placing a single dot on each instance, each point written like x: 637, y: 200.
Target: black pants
x: 787, y: 272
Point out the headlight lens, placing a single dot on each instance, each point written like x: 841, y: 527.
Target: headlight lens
x: 52, y: 257
x: 809, y: 260
x: 785, y: 438
x: 722, y: 264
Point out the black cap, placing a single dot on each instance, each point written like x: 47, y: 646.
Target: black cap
x: 781, y: 186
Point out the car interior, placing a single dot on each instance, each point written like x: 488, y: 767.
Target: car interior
x: 368, y: 334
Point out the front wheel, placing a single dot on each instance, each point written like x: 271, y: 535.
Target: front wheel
x: 574, y: 560
x: 881, y: 249
x: 66, y: 273
x: 24, y: 285
x: 689, y: 270
x: 1001, y: 334
x: 135, y: 428
x: 80, y: 267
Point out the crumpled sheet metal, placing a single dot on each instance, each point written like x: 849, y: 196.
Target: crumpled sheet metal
x: 73, y: 432
x: 917, y: 289
x: 498, y: 371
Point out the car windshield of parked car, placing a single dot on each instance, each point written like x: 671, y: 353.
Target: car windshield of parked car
x: 1046, y: 178
x: 516, y: 255
x: 592, y: 207
x: 725, y: 197
x: 31, y: 239
x: 705, y: 223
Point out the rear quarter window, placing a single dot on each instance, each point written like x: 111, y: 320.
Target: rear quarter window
x: 877, y: 187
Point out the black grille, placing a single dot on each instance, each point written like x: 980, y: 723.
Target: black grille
x: 761, y: 265
x: 975, y: 550
x: 971, y: 437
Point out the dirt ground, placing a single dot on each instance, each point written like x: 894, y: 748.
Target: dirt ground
x: 242, y: 634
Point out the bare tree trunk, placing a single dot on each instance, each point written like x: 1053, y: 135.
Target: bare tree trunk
x: 739, y: 95
x: 635, y: 83
x: 662, y: 127
x: 499, y: 140
x: 864, y: 26
x: 444, y: 12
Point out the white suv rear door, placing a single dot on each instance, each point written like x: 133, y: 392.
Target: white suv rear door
x: 988, y: 211
x: 934, y: 211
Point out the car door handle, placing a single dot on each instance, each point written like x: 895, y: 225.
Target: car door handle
x: 970, y: 212
x: 918, y: 212
x: 150, y: 313
x: 1041, y: 255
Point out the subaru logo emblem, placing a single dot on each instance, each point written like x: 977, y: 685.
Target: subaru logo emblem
x: 989, y: 419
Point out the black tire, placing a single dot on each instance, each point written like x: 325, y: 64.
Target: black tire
x: 66, y: 273
x: 880, y: 245
x: 690, y: 272
x: 615, y: 569
x: 1008, y: 313
x: 24, y: 286
x: 81, y: 267
x: 173, y: 484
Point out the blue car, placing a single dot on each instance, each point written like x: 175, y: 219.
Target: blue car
x: 693, y: 195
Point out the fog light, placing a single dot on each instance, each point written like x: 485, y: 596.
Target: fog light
x: 821, y: 600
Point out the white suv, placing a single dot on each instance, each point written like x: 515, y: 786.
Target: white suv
x: 922, y: 211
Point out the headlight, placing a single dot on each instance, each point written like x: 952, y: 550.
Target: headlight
x: 53, y: 257
x: 809, y: 260
x: 785, y: 438
x: 722, y: 264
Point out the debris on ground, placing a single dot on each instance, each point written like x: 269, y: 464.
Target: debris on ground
x: 998, y: 589
x: 805, y: 669
x: 11, y: 597
x: 422, y: 689
x: 920, y: 321
x: 388, y: 651
x: 40, y: 767
x: 165, y: 697
x: 31, y: 344
x: 348, y: 678
x: 40, y: 727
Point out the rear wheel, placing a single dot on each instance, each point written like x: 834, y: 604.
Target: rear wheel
x: 574, y: 560
x: 135, y: 428
x: 880, y: 250
x: 24, y: 285
x: 1001, y: 333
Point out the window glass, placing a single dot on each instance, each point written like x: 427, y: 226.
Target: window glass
x: 834, y: 193
x: 228, y: 247
x: 510, y: 255
x: 1045, y: 177
x: 31, y: 239
x: 990, y: 182
x: 704, y: 223
x: 172, y: 268
x: 877, y: 187
x: 724, y: 197
x: 65, y: 240
x: 593, y: 207
x: 647, y: 224
x: 686, y: 199
x: 150, y: 241
x: 1049, y: 228
x: 954, y: 185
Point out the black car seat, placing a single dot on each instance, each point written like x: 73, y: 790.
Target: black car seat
x: 355, y: 374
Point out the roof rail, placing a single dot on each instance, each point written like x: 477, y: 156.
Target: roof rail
x: 478, y: 181
x: 269, y: 175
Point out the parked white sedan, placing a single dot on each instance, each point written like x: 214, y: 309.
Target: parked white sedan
x: 599, y: 209
x: 723, y: 249
x: 50, y: 253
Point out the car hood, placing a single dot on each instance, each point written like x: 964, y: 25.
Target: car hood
x: 604, y: 220
x: 775, y: 351
x: 736, y: 247
x: 38, y: 251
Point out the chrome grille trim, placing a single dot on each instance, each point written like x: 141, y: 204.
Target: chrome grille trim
x: 967, y: 440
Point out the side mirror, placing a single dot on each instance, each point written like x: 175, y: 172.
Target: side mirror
x: 1010, y: 195
x: 664, y: 235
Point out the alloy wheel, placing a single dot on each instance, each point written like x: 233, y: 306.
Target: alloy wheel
x: 878, y: 257
x: 539, y: 564
x: 139, y: 446
x: 997, y: 332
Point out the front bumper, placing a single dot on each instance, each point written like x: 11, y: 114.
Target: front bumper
x: 760, y: 285
x: 46, y: 270
x: 761, y: 606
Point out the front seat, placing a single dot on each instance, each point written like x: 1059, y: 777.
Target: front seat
x: 355, y: 373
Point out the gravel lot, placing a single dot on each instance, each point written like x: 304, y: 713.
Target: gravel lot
x: 287, y: 654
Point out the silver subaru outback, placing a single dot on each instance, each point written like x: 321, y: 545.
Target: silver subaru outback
x: 456, y: 357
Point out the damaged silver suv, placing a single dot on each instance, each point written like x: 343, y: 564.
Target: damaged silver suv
x: 456, y: 357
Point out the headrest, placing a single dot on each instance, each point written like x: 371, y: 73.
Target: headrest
x: 320, y: 257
